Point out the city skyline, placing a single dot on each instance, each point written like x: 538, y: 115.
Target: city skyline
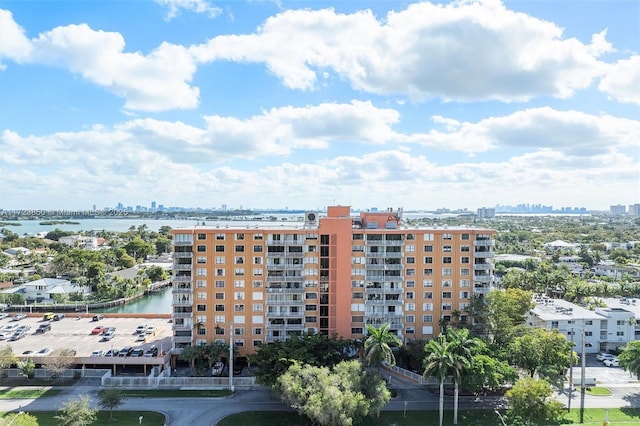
x: 424, y: 105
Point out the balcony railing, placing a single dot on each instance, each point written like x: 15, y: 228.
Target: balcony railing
x: 483, y: 266
x: 182, y: 290
x: 180, y: 302
x: 483, y: 243
x: 182, y: 315
x: 182, y: 339
x: 182, y: 266
x: 483, y: 254
x: 182, y: 279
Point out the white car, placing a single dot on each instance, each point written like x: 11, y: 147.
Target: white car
x: 97, y: 353
x: 604, y: 356
x: 151, y: 330
x: 44, y: 352
x: 612, y: 362
x: 141, y: 328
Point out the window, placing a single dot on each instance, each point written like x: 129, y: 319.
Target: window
x: 258, y: 271
x: 410, y: 272
x: 464, y: 295
x: 446, y: 249
x: 220, y: 237
x: 464, y: 271
x: 447, y: 271
x: 446, y: 283
x: 219, y: 331
x: 357, y: 237
x: 201, y: 249
x: 310, y: 307
x: 428, y: 249
x: 464, y: 259
x: 411, y: 260
x: 219, y: 284
x: 257, y: 260
x: 239, y: 237
x: 427, y: 271
x: 239, y: 260
x: 427, y: 307
x: 407, y: 307
x: 219, y: 249
x: 409, y: 330
x: 315, y: 319
x: 588, y: 333
x: 410, y: 248
x: 409, y: 295
x: 411, y: 237
x: 619, y: 333
x: 357, y: 295
x: 258, y: 237
x: 464, y: 283
x: 219, y: 308
x: 257, y: 249
x: 428, y: 237
x: 201, y: 272
x: 239, y: 271
x: 428, y: 260
x: 427, y: 318
x: 427, y: 283
x: 201, y: 259
x: 464, y: 249
x: 410, y: 284
x: 239, y: 248
x: 620, y: 322
x: 446, y: 295
x: 220, y: 272
x: 313, y: 296
x: 238, y: 308
x: 356, y: 318
x: 238, y: 283
x: 220, y: 260
x: 464, y: 237
x: 257, y: 331
x: 202, y: 236
x: 257, y: 307
x: 554, y: 324
x: 257, y: 284
x: 201, y: 308
x: 219, y: 296
x: 446, y: 306
x: 357, y: 330
x: 201, y: 295
x: 238, y: 295
x: 588, y: 322
x: 446, y: 259
x: 201, y: 284
x: 427, y: 295
x: 447, y: 237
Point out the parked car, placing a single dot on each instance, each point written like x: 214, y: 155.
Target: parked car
x: 150, y: 330
x: 23, y: 328
x: 28, y: 353
x: 97, y: 353
x: 141, y: 328
x: 97, y: 318
x: 48, y: 316
x: 217, y: 368
x: 126, y: 351
x: 604, y: 356
x: 109, y: 329
x: 3, y: 315
x: 137, y: 352
x: 151, y: 351
x: 58, y: 317
x: 108, y: 335
x: 111, y: 352
x: 17, y: 335
x: 18, y: 317
x: 44, y: 352
x: 10, y: 328
x: 98, y: 330
x: 43, y: 328
x: 612, y: 362
x: 141, y: 337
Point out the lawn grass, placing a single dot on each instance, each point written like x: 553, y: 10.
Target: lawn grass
x: 20, y: 393
x: 592, y: 417
x: 598, y: 391
x: 174, y: 393
x: 150, y: 418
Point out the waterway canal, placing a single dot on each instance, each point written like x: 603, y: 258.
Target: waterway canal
x: 154, y: 303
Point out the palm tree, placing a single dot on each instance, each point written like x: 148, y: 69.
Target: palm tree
x: 377, y: 346
x: 461, y: 347
x: 438, y: 363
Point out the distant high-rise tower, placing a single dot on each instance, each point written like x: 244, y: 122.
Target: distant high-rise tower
x: 153, y: 206
x: 617, y: 210
x: 634, y: 209
x: 486, y: 213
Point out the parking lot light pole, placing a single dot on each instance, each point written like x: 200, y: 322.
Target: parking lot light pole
x: 231, y: 357
x: 582, y: 387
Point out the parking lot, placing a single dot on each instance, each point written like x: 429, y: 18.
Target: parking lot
x: 75, y: 332
x: 603, y: 375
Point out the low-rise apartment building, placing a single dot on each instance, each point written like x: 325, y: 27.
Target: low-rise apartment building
x: 333, y: 274
x: 605, y: 329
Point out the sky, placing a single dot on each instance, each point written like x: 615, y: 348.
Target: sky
x: 305, y: 104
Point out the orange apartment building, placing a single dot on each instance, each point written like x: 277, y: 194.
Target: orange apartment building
x: 333, y: 274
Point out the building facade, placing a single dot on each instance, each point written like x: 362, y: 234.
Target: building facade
x: 332, y: 275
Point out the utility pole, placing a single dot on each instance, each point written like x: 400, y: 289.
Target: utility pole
x: 582, y: 387
x: 231, y: 357
x: 570, y: 372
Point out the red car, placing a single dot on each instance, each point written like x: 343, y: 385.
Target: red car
x: 99, y: 329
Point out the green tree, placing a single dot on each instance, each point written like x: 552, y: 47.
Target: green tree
x: 335, y: 397
x: 156, y: 273
x: 111, y: 399
x: 461, y: 348
x: 531, y: 402
x: 77, y: 412
x: 27, y: 367
x: 139, y: 249
x: 488, y: 372
x: 19, y: 419
x: 59, y: 361
x: 630, y: 358
x: 377, y: 346
x: 438, y: 363
x: 7, y: 359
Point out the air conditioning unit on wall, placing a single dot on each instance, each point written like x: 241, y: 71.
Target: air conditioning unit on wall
x: 311, y: 217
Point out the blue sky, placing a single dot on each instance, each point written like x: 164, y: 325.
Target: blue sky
x: 267, y: 104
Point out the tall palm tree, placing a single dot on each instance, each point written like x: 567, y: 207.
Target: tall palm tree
x: 461, y: 348
x: 438, y: 363
x: 377, y: 346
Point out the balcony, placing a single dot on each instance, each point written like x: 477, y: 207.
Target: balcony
x: 182, y: 266
x: 182, y: 302
x: 283, y: 278
x: 276, y: 290
x: 183, y: 243
x: 182, y: 290
x: 279, y: 314
x: 483, y: 266
x: 393, y: 242
x: 285, y: 302
x: 483, y: 243
x: 285, y: 327
x: 182, y: 327
x: 482, y: 278
x: 483, y: 254
x: 182, y: 279
x: 182, y: 339
x: 183, y: 255
x: 182, y: 315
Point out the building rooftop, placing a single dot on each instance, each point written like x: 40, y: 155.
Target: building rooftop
x: 548, y: 309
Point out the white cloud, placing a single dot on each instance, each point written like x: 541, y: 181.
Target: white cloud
x: 573, y: 132
x: 459, y: 51
x: 622, y: 82
x: 14, y: 44
x: 174, y: 7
